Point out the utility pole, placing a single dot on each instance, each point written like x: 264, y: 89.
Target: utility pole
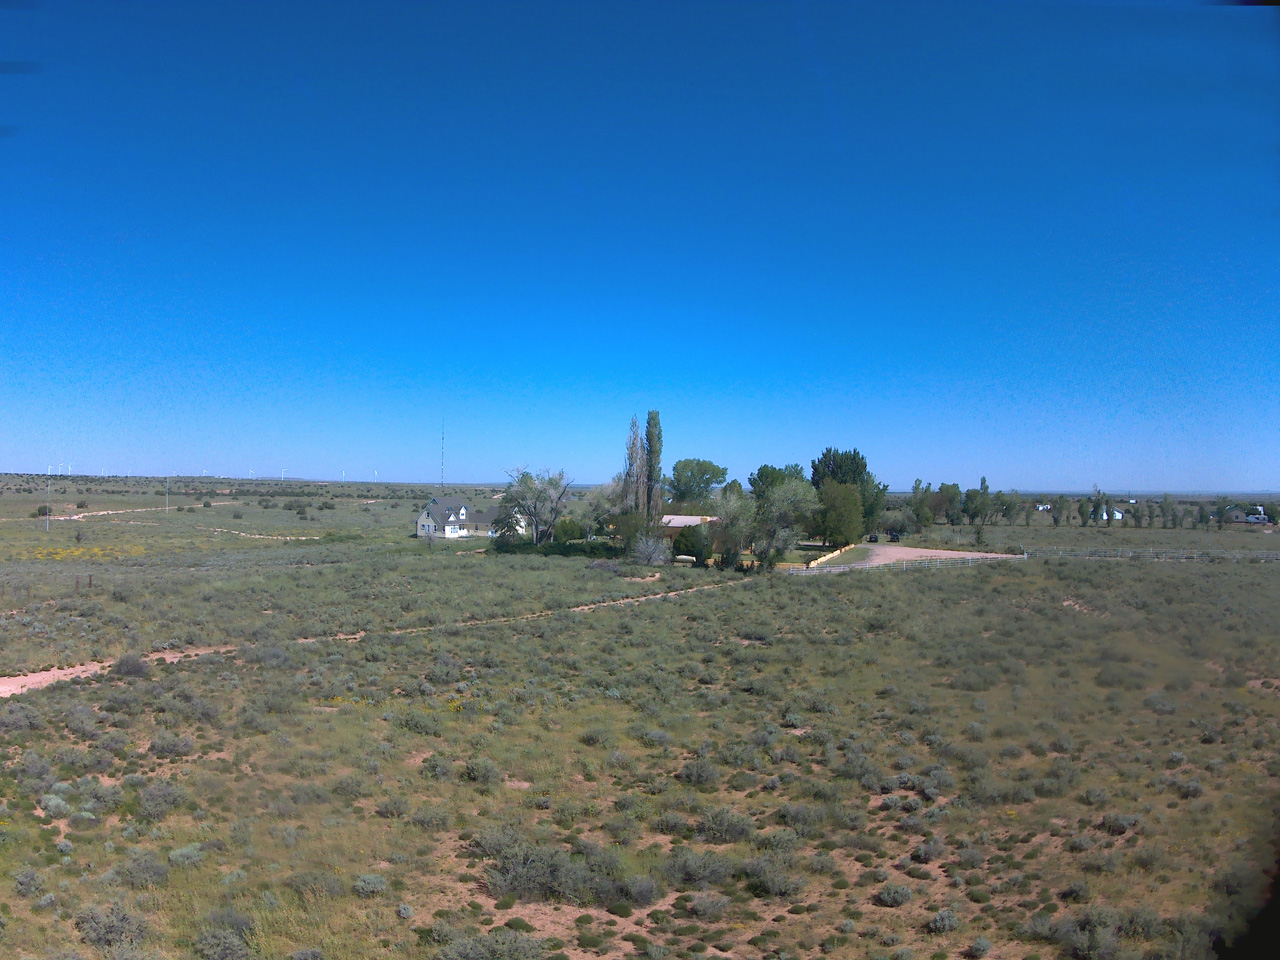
x: 442, y: 455
x: 48, y: 499
x: 166, y: 495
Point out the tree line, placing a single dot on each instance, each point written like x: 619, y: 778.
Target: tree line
x: 978, y: 505
x: 836, y: 500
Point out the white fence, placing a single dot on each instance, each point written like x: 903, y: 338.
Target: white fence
x: 1124, y: 553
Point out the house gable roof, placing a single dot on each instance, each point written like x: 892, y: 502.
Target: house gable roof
x: 449, y: 510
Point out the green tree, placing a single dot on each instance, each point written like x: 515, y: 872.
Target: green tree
x: 783, y: 511
x: 849, y: 466
x: 918, y: 505
x: 696, y: 542
x: 767, y: 477
x: 1083, y: 509
x: 567, y: 529
x: 693, y: 480
x: 1011, y: 509
x: 977, y: 503
x: 629, y: 526
x: 952, y: 503
x: 1202, y: 514
x: 1061, y: 512
x: 736, y: 513
x: 842, y: 466
x: 635, y: 494
x: 1222, y: 506
x: 653, y: 466
x: 838, y: 519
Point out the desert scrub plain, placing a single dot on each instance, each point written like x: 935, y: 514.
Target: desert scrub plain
x: 1065, y: 758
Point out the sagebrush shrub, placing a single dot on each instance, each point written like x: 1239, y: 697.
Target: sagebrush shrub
x: 893, y: 895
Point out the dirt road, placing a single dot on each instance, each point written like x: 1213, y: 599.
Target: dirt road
x: 882, y: 553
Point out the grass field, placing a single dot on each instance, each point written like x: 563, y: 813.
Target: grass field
x: 1062, y: 758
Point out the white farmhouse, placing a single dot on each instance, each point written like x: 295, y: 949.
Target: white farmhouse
x: 452, y: 518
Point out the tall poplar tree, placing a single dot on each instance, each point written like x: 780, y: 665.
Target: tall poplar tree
x: 653, y: 466
x: 635, y: 478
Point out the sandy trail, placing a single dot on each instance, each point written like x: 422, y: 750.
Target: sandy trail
x: 254, y: 536
x: 10, y: 686
x: 108, y: 513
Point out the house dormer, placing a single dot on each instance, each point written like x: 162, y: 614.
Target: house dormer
x: 462, y: 513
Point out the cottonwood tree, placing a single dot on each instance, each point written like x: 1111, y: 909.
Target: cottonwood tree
x: 782, y: 513
x: 693, y: 480
x: 539, y: 498
x: 947, y: 503
x: 918, y: 505
x: 1222, y: 507
x: 736, y: 514
x: 604, y: 503
x: 1061, y: 512
x: 838, y: 519
x: 768, y: 476
x: 977, y: 503
x: 849, y: 466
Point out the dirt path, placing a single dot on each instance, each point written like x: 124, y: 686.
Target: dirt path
x: 253, y: 536
x: 10, y: 686
x: 107, y: 513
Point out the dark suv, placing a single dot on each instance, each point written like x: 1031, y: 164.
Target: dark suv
x: 873, y: 538
x: 895, y: 537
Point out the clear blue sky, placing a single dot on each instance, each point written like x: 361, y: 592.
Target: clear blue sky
x: 1034, y: 241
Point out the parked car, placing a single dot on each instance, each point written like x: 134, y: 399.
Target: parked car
x: 873, y: 538
x: 894, y: 536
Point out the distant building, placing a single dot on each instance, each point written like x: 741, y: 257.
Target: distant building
x: 452, y: 517
x: 673, y: 523
x: 1235, y: 515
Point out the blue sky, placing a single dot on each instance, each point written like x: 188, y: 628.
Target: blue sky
x: 1039, y: 242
